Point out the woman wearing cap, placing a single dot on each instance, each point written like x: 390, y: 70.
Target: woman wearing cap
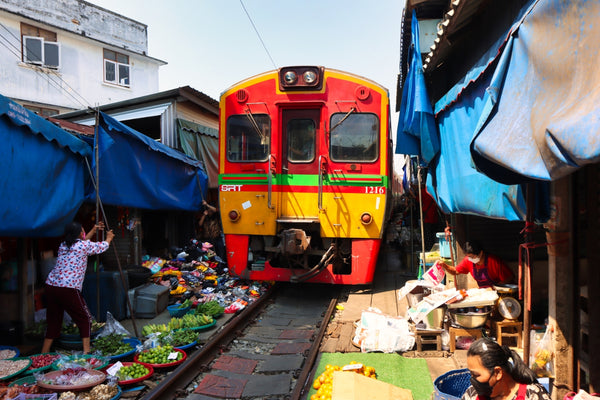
x: 487, y: 269
x: 498, y: 373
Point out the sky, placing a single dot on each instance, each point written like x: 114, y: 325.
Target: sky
x: 212, y: 44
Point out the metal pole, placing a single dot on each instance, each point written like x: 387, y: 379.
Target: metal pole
x: 530, y: 201
x: 97, y: 212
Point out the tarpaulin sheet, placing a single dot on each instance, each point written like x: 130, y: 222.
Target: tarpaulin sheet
x: 542, y: 117
x: 457, y: 185
x: 202, y: 143
x: 417, y: 133
x: 42, y: 181
x: 136, y: 171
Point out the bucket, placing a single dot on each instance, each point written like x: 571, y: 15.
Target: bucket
x: 444, y: 245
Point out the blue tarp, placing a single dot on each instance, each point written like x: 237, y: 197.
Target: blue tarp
x: 417, y: 133
x: 457, y: 185
x: 42, y: 174
x: 136, y: 171
x: 542, y: 116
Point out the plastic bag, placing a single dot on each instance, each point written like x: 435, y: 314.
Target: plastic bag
x: 541, y: 359
x: 112, y: 326
x: 581, y: 395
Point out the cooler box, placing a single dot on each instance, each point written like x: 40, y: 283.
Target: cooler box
x: 444, y: 245
x: 112, y: 294
x: 149, y: 300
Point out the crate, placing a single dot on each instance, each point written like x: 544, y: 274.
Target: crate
x: 452, y: 385
x: 149, y: 300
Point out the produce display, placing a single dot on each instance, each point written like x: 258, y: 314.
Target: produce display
x: 42, y: 360
x: 72, y: 377
x: 212, y: 308
x: 189, y: 321
x: 7, y: 353
x: 178, y: 338
x: 159, y: 355
x: 79, y: 361
x: 100, y: 392
x: 149, y: 329
x: 11, y: 367
x: 72, y: 329
x: 111, y: 345
x: 187, y: 303
x: 323, y: 384
x: 133, y: 371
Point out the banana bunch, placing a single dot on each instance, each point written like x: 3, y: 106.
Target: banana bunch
x: 152, y: 328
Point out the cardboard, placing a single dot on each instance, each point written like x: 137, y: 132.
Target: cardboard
x: 353, y: 386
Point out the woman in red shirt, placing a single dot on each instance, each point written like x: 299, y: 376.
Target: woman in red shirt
x: 487, y: 269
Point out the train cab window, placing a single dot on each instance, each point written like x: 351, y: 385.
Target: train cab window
x: 248, y: 137
x: 301, y: 140
x: 354, y: 137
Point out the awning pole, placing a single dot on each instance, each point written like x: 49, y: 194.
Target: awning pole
x: 97, y: 211
x: 419, y: 168
x: 530, y: 201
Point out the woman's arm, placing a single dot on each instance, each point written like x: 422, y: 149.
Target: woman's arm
x: 448, y: 268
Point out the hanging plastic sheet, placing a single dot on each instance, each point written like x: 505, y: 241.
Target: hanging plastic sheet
x: 137, y: 171
x: 42, y: 182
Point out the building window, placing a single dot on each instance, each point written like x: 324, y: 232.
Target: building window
x: 39, y: 47
x: 44, y: 112
x: 116, y: 68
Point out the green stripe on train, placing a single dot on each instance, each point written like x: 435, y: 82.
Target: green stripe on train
x: 304, y: 180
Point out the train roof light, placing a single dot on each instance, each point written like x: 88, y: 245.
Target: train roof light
x: 300, y: 78
x: 290, y: 77
x: 233, y: 215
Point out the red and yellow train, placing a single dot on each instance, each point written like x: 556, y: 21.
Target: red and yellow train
x: 305, y: 175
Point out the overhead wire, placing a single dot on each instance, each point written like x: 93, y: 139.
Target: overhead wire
x: 16, y: 51
x: 258, y: 34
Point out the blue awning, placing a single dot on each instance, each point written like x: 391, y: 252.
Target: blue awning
x: 42, y: 181
x: 417, y: 133
x: 136, y: 171
x: 453, y: 180
x: 542, y: 118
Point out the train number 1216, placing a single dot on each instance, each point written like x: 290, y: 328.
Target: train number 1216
x: 375, y: 189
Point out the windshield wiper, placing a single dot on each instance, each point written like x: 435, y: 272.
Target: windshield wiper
x: 254, y: 123
x: 343, y: 119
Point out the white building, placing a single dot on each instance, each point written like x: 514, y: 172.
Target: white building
x: 64, y: 55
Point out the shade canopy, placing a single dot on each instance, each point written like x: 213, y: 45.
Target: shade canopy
x: 137, y: 171
x: 42, y: 181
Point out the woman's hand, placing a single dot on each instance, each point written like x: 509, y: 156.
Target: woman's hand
x: 109, y: 236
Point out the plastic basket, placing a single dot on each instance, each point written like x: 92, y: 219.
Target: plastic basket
x: 177, y: 312
x: 452, y: 385
x: 25, y: 396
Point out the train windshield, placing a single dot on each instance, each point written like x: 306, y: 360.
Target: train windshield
x: 355, y: 137
x: 248, y: 137
x: 301, y: 140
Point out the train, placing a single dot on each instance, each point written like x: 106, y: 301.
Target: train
x: 305, y: 175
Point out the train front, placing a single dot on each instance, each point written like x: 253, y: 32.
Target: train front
x: 304, y: 175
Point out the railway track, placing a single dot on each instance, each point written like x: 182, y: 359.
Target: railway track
x: 267, y: 351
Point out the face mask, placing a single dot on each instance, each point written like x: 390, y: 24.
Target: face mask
x: 474, y: 260
x: 482, y: 388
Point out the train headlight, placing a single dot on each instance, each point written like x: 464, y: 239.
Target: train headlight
x: 233, y: 215
x: 301, y: 78
x: 290, y: 77
x: 309, y: 77
x: 366, y: 218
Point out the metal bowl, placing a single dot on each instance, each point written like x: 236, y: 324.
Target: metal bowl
x: 470, y: 320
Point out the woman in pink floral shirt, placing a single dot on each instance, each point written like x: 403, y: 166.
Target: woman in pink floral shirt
x: 64, y: 283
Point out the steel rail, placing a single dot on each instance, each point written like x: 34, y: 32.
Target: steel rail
x: 180, y: 378
x: 304, y: 379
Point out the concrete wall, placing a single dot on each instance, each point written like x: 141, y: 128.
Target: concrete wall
x: 79, y: 82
